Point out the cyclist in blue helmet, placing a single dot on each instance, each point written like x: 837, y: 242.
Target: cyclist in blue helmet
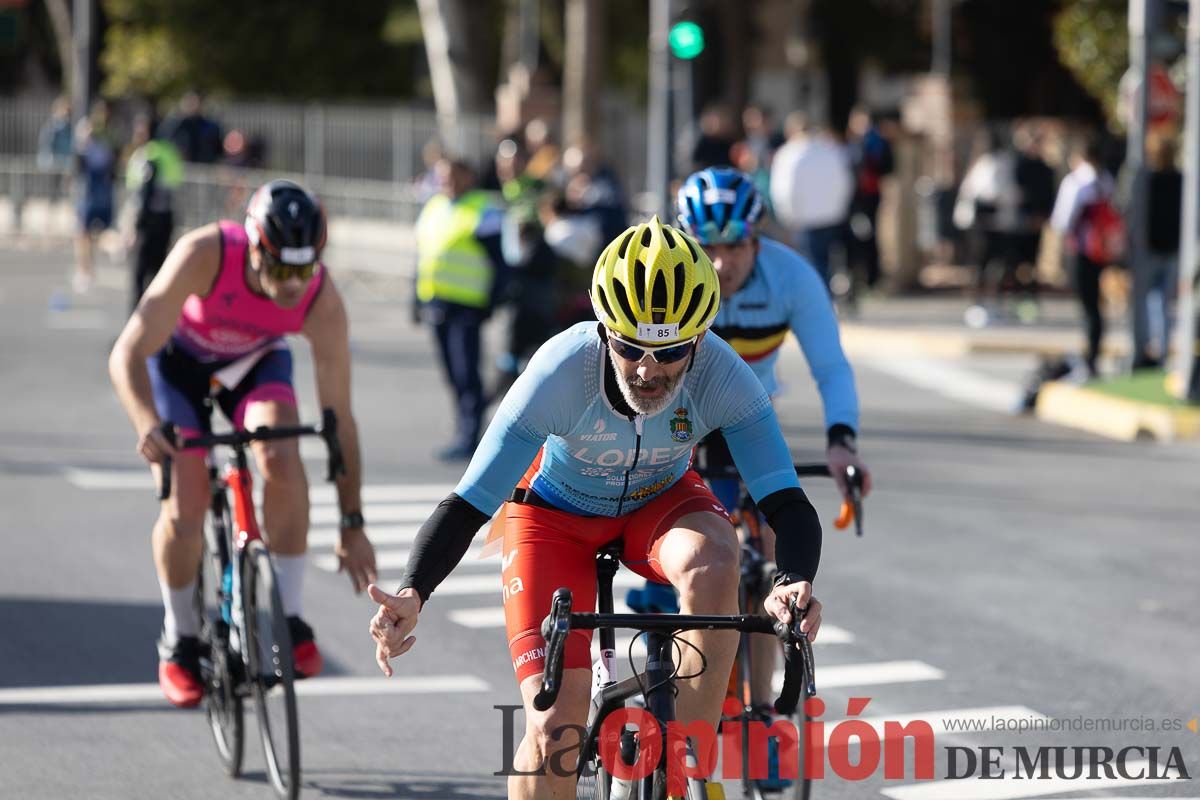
x: 767, y: 289
x: 719, y: 205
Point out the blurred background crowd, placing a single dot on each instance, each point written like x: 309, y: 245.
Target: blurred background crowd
x: 904, y: 145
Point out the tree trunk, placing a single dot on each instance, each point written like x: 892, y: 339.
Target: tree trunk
x: 583, y: 69
x: 60, y: 20
x: 454, y: 65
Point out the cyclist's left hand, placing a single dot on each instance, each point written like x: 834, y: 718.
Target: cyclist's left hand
x: 776, y: 605
x: 838, y: 458
x: 356, y: 556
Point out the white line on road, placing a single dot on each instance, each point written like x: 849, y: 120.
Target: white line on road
x: 949, y: 380
x: 109, y: 478
x: 327, y: 536
x: 493, y: 616
x: 143, y: 693
x: 379, y: 512
x: 872, y: 674
x: 1014, y: 789
x: 397, y: 559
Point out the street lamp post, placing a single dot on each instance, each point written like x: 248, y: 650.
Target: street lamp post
x: 658, y: 135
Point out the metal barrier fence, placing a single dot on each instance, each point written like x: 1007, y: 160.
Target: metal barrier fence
x: 342, y: 141
x: 210, y: 193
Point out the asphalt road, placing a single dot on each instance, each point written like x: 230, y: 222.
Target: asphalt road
x: 1010, y: 569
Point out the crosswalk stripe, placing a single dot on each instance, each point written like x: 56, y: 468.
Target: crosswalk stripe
x: 150, y: 693
x: 493, y: 616
x: 377, y: 513
x: 460, y: 585
x: 871, y: 674
x: 327, y: 535
x: 431, y: 493
x: 107, y: 479
x: 398, y: 559
x: 1014, y: 789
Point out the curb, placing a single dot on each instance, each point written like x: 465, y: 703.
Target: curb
x: 1115, y: 417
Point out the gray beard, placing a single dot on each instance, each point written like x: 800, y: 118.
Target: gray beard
x: 648, y: 408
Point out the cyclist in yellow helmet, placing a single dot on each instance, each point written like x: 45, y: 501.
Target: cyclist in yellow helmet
x: 608, y: 415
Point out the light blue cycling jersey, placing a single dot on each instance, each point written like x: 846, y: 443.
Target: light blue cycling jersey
x: 784, y: 292
x: 599, y: 462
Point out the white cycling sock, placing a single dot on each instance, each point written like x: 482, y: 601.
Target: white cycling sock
x: 289, y: 574
x: 180, y: 617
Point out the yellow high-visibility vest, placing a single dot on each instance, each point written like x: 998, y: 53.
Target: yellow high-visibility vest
x: 451, y: 263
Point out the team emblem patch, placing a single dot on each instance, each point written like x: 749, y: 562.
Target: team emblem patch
x: 681, y: 426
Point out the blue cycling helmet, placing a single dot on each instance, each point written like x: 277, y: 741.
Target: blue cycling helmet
x: 719, y: 205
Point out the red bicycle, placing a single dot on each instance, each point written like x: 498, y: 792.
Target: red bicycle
x: 246, y: 644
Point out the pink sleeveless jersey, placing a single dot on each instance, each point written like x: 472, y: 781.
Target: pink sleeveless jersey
x: 231, y: 320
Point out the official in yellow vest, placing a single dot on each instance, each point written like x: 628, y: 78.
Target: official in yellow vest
x: 459, y: 273
x: 153, y: 172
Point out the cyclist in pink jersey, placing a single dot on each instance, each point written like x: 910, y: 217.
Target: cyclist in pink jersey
x: 208, y: 331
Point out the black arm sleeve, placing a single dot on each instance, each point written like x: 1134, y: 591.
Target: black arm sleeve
x: 797, y: 531
x: 441, y: 543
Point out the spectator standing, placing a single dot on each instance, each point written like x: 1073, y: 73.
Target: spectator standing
x: 1155, y: 283
x: 459, y: 275
x: 592, y: 188
x: 56, y: 142
x: 95, y: 168
x: 197, y: 136
x: 811, y: 189
x: 872, y: 160
x: 717, y: 135
x: 153, y: 171
x: 1035, y: 182
x: 988, y: 208
x: 1080, y: 213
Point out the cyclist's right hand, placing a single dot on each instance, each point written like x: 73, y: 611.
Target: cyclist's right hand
x: 392, y: 624
x: 153, y: 445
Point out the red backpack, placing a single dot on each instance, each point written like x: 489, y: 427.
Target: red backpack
x: 1102, y: 232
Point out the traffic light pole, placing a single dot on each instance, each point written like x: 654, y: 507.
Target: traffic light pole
x: 658, y: 135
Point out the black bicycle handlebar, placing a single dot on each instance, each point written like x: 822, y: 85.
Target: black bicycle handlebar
x: 240, y: 439
x: 798, y: 663
x: 561, y: 621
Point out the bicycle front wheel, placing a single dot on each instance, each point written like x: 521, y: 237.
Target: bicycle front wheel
x: 272, y: 673
x: 219, y: 667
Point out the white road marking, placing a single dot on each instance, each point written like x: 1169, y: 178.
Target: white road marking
x: 872, y: 674
x: 377, y: 513
x: 398, y: 559
x: 107, y: 479
x: 150, y: 693
x: 1013, y: 789
x: 327, y: 536
x: 949, y: 380
x: 493, y: 616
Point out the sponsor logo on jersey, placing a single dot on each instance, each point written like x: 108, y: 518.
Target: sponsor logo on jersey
x: 652, y: 489
x: 598, y: 434
x: 681, y: 426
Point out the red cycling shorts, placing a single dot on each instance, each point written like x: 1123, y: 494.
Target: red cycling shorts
x: 545, y: 549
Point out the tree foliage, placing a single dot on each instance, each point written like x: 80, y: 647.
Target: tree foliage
x: 317, y: 48
x: 1092, y: 38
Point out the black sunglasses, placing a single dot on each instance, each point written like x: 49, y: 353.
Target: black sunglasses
x: 662, y: 355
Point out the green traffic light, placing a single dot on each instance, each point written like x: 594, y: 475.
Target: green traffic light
x: 686, y: 40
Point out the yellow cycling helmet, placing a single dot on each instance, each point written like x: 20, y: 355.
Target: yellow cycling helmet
x: 654, y: 284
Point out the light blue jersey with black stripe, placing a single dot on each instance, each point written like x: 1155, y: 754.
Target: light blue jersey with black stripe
x: 597, y: 461
x: 784, y: 293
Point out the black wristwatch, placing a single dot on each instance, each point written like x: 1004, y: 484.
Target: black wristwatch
x: 352, y: 519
